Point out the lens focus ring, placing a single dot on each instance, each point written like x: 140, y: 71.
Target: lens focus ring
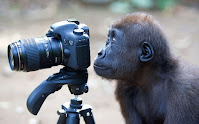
x: 32, y: 54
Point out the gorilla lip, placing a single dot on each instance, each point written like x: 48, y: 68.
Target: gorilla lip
x: 99, y: 67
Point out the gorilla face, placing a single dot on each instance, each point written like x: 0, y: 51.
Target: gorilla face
x: 126, y: 53
x: 116, y: 60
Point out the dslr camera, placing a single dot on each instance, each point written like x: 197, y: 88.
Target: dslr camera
x: 66, y: 43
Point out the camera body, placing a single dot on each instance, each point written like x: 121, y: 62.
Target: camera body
x: 75, y: 47
x: 66, y: 43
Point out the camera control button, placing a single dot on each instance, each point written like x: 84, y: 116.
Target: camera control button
x: 78, y: 31
x: 66, y: 53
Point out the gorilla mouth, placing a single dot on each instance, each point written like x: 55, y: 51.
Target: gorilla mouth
x: 99, y: 66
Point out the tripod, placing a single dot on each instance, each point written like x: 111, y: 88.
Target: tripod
x: 70, y: 112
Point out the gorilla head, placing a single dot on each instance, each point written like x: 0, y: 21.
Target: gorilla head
x: 135, y: 42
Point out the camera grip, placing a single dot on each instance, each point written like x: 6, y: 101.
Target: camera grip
x: 38, y: 96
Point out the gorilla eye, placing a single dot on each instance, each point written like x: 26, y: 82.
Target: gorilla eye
x: 113, y: 39
x: 113, y: 36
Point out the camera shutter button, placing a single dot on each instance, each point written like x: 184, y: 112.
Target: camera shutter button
x: 73, y: 20
x: 78, y: 31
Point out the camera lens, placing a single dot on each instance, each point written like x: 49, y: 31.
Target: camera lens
x: 35, y: 53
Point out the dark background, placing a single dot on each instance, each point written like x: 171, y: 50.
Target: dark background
x: 27, y: 18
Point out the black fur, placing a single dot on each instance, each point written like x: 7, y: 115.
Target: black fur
x: 162, y: 90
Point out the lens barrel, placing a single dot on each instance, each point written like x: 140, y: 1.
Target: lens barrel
x: 35, y: 53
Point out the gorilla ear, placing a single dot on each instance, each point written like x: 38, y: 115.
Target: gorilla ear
x: 147, y: 52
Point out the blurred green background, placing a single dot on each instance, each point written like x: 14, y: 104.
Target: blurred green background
x: 27, y: 18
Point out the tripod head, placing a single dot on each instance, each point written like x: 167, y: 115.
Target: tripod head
x: 75, y: 79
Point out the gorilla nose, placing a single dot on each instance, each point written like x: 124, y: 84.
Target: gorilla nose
x: 101, y: 54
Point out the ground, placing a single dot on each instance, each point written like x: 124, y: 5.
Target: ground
x: 181, y: 27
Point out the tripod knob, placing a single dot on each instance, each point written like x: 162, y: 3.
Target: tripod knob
x: 61, y: 112
x: 85, y: 89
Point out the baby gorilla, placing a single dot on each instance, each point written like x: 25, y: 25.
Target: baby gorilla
x: 153, y: 87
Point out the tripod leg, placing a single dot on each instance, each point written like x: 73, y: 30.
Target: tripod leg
x: 88, y: 116
x: 72, y: 118
x: 62, y: 120
x: 62, y: 116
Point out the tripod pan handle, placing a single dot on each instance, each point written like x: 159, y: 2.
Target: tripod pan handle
x: 38, y: 96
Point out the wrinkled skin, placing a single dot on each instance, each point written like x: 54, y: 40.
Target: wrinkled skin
x: 112, y: 59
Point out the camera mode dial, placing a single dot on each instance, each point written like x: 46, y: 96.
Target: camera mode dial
x: 78, y: 31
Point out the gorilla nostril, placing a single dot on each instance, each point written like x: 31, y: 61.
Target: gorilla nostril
x: 101, y: 54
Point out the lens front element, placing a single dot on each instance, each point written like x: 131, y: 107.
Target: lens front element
x: 10, y: 58
x: 14, y: 56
